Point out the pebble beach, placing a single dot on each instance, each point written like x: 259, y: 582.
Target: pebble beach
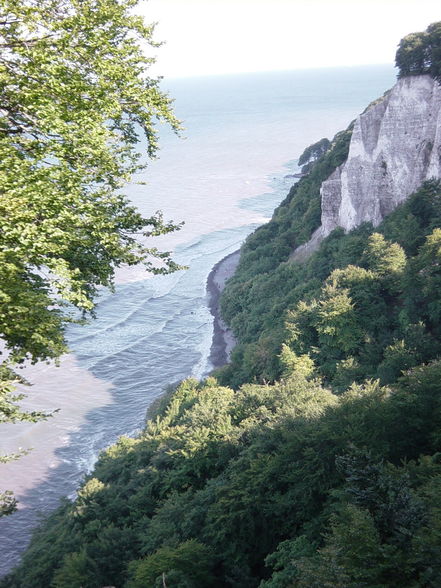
x: 223, y: 338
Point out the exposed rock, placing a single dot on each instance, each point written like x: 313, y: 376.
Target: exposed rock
x: 395, y: 147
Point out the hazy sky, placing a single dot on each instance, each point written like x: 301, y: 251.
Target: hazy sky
x: 225, y: 36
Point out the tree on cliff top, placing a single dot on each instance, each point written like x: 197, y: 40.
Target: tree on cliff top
x: 74, y: 101
x: 312, y: 153
x: 420, y: 53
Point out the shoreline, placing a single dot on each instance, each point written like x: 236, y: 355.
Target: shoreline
x: 223, y: 339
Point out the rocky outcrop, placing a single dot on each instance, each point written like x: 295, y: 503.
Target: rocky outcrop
x: 395, y: 147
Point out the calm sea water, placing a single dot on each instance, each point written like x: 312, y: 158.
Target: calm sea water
x: 223, y: 177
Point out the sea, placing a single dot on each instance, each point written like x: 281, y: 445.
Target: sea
x: 223, y: 175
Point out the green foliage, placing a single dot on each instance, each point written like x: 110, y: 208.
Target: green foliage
x: 75, y: 572
x: 274, y: 477
x: 420, y: 53
x: 8, y: 504
x: 283, y: 562
x: 312, y: 153
x: 187, y: 566
x: 375, y: 533
x: 76, y: 103
x: 351, y: 557
x: 295, y: 219
x: 262, y: 287
x: 294, y: 365
x: 412, y: 56
x: 384, y: 258
x: 365, y: 305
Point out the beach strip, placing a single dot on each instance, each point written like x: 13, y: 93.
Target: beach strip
x: 223, y: 338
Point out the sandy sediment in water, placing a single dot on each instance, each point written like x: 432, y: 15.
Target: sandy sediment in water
x: 223, y: 338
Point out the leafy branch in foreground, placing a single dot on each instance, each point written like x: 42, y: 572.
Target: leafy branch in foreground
x: 75, y: 101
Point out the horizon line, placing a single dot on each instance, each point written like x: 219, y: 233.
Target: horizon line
x: 165, y: 77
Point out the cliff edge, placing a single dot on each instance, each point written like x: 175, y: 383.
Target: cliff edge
x: 395, y: 147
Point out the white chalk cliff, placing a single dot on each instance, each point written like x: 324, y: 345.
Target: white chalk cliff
x: 395, y: 147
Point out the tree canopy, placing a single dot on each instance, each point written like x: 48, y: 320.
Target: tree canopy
x: 312, y: 153
x: 420, y: 53
x: 75, y: 103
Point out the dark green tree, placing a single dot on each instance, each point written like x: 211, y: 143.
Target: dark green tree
x: 412, y: 56
x: 189, y: 565
x: 420, y: 53
x: 313, y: 153
x: 77, y: 571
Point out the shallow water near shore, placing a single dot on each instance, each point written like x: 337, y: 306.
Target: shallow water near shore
x: 224, y: 178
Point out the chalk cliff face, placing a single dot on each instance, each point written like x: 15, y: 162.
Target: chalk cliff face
x: 395, y: 147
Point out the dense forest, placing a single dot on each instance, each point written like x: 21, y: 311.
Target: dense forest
x: 314, y: 458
